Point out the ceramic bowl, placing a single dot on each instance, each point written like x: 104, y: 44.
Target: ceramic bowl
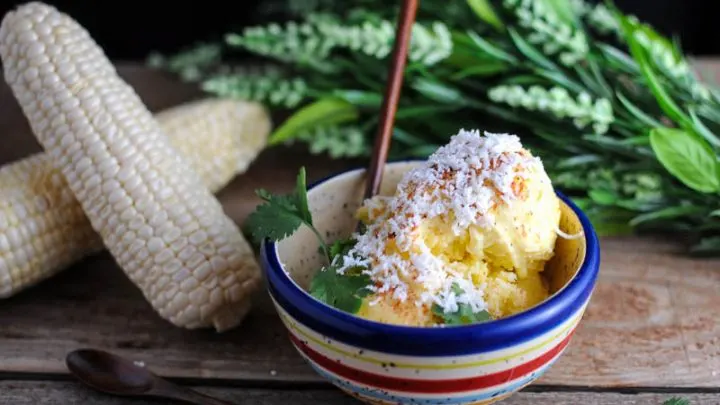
x: 388, y: 364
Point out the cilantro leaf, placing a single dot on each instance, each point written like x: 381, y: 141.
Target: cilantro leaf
x: 341, y: 247
x: 464, y: 315
x: 676, y: 401
x: 275, y: 220
x: 342, y: 291
x: 281, y: 215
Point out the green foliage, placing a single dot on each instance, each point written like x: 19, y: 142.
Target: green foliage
x: 326, y: 111
x: 688, y: 157
x: 464, y: 315
x: 611, y: 106
x: 269, y: 87
x: 342, y: 290
x: 336, y: 141
x: 677, y: 401
x: 279, y: 216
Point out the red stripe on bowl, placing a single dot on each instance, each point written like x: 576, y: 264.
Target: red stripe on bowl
x: 430, y: 386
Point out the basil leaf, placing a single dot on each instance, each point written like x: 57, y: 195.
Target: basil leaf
x: 322, y: 112
x: 687, y: 157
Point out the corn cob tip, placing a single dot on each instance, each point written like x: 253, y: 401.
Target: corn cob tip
x: 161, y: 224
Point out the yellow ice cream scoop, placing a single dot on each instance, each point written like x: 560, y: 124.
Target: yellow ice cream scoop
x: 472, y: 226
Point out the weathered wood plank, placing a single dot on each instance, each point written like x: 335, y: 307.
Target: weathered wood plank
x: 62, y: 393
x: 653, y: 320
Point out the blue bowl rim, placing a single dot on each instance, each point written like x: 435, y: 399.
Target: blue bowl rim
x: 467, y: 339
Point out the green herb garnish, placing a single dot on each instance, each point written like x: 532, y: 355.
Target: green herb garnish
x: 342, y: 291
x: 464, y: 314
x: 677, y: 401
x: 280, y: 216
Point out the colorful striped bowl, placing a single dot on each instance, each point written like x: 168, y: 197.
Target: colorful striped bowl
x: 388, y: 364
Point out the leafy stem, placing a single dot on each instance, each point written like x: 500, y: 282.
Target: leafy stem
x: 281, y: 215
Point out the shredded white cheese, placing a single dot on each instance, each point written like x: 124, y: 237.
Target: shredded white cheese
x: 462, y: 182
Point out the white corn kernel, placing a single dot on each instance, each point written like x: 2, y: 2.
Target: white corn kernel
x: 165, y: 175
x: 214, y: 135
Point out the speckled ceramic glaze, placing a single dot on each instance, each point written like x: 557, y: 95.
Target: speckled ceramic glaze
x: 388, y: 364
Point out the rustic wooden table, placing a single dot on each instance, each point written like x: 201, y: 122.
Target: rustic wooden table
x: 652, y: 330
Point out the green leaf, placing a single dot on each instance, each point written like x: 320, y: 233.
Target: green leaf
x: 561, y: 79
x: 563, y: 10
x: 275, y: 220
x: 341, y: 247
x: 464, y: 315
x: 439, y: 92
x: 661, y: 95
x: 666, y: 213
x: 578, y: 160
x: 301, y: 198
x: 281, y: 215
x: 605, y: 228
x: 588, y: 81
x: 422, y: 151
x: 360, y: 98
x: 491, y: 49
x: 484, y: 69
x: 618, y: 59
x: 407, y: 138
x: 677, y: 401
x: 423, y: 110
x: 709, y: 246
x: 342, y: 291
x: 600, y: 79
x: 325, y: 111
x: 603, y: 197
x: 530, y: 52
x: 703, y: 130
x: 715, y: 213
x: 689, y: 158
x: 485, y: 11
x: 637, y: 112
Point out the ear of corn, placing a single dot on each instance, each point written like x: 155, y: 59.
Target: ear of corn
x: 43, y: 228
x: 161, y: 224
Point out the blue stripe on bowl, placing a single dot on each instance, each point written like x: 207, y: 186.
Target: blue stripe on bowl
x: 446, y: 341
x: 439, y: 399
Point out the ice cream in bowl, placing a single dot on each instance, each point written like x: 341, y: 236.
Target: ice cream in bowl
x: 464, y: 283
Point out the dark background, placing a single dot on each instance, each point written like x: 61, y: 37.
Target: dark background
x: 129, y: 30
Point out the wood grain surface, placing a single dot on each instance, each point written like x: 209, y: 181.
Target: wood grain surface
x: 654, y: 320
x: 71, y: 393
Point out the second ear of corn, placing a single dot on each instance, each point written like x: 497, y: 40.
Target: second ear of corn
x: 43, y: 228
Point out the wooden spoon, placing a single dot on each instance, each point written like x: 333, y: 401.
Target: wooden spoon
x: 115, y: 375
x: 396, y: 72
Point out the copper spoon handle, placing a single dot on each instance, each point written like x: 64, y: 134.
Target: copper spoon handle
x: 396, y: 72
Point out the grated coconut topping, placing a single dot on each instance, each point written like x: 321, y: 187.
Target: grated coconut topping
x: 462, y: 182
